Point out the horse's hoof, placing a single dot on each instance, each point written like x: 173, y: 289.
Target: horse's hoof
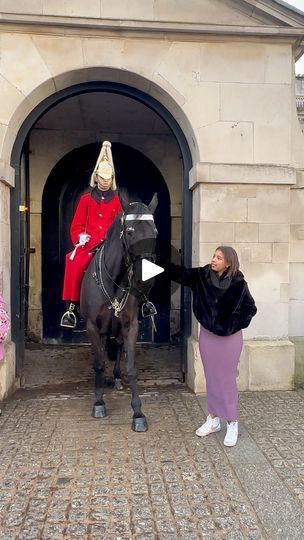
x: 118, y: 384
x: 99, y: 411
x: 140, y: 424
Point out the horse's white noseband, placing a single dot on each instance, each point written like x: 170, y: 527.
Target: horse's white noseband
x: 139, y: 217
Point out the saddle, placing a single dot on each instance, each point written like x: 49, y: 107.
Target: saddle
x: 96, y: 248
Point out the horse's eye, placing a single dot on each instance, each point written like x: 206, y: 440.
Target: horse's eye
x: 130, y: 229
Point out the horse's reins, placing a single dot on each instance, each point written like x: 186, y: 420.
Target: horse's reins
x: 115, y: 303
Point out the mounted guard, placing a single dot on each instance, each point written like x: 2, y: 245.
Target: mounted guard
x: 94, y: 214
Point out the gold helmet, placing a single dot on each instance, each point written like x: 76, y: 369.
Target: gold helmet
x: 104, y: 166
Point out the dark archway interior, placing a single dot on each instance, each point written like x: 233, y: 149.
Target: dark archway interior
x: 66, y: 183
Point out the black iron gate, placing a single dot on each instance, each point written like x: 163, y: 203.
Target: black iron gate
x: 20, y: 252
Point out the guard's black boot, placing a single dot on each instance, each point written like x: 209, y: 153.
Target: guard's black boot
x: 68, y: 319
x: 148, y: 309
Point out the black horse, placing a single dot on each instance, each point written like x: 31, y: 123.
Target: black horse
x: 111, y: 292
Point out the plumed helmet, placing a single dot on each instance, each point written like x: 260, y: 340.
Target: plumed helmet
x: 104, y: 165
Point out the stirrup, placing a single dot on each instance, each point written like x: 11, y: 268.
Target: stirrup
x: 148, y: 309
x: 68, y: 319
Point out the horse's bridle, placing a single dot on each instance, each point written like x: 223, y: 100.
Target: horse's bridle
x: 134, y: 217
x: 118, y: 305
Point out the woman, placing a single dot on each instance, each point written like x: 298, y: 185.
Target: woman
x: 223, y: 306
x: 94, y: 214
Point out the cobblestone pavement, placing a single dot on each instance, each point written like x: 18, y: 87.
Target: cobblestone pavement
x: 67, y: 475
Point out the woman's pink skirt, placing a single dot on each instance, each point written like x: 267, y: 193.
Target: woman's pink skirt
x: 220, y: 356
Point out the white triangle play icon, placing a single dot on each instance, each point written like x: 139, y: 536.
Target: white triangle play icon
x: 149, y: 270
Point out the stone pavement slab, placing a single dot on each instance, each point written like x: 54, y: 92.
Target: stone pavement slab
x: 67, y: 475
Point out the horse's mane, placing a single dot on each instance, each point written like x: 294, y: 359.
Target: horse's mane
x: 112, y: 229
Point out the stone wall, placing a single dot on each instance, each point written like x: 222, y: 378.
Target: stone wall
x: 213, y: 12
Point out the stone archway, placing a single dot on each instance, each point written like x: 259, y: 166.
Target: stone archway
x: 161, y: 111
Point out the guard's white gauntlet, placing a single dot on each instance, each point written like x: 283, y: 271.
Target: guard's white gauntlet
x: 83, y: 239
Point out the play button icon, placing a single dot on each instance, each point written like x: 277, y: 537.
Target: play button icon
x: 149, y: 270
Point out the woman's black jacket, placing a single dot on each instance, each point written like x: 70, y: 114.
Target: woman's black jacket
x: 221, y: 305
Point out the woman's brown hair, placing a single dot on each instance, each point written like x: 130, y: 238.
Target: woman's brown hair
x: 231, y: 258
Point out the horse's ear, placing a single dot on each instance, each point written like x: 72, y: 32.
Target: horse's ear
x: 123, y: 197
x: 153, y: 204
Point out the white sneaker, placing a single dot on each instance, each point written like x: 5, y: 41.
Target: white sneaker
x: 210, y: 426
x: 232, y: 434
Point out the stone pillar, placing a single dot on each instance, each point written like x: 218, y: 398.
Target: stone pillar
x: 248, y: 207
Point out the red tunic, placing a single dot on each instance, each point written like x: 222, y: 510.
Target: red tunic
x: 94, y: 218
